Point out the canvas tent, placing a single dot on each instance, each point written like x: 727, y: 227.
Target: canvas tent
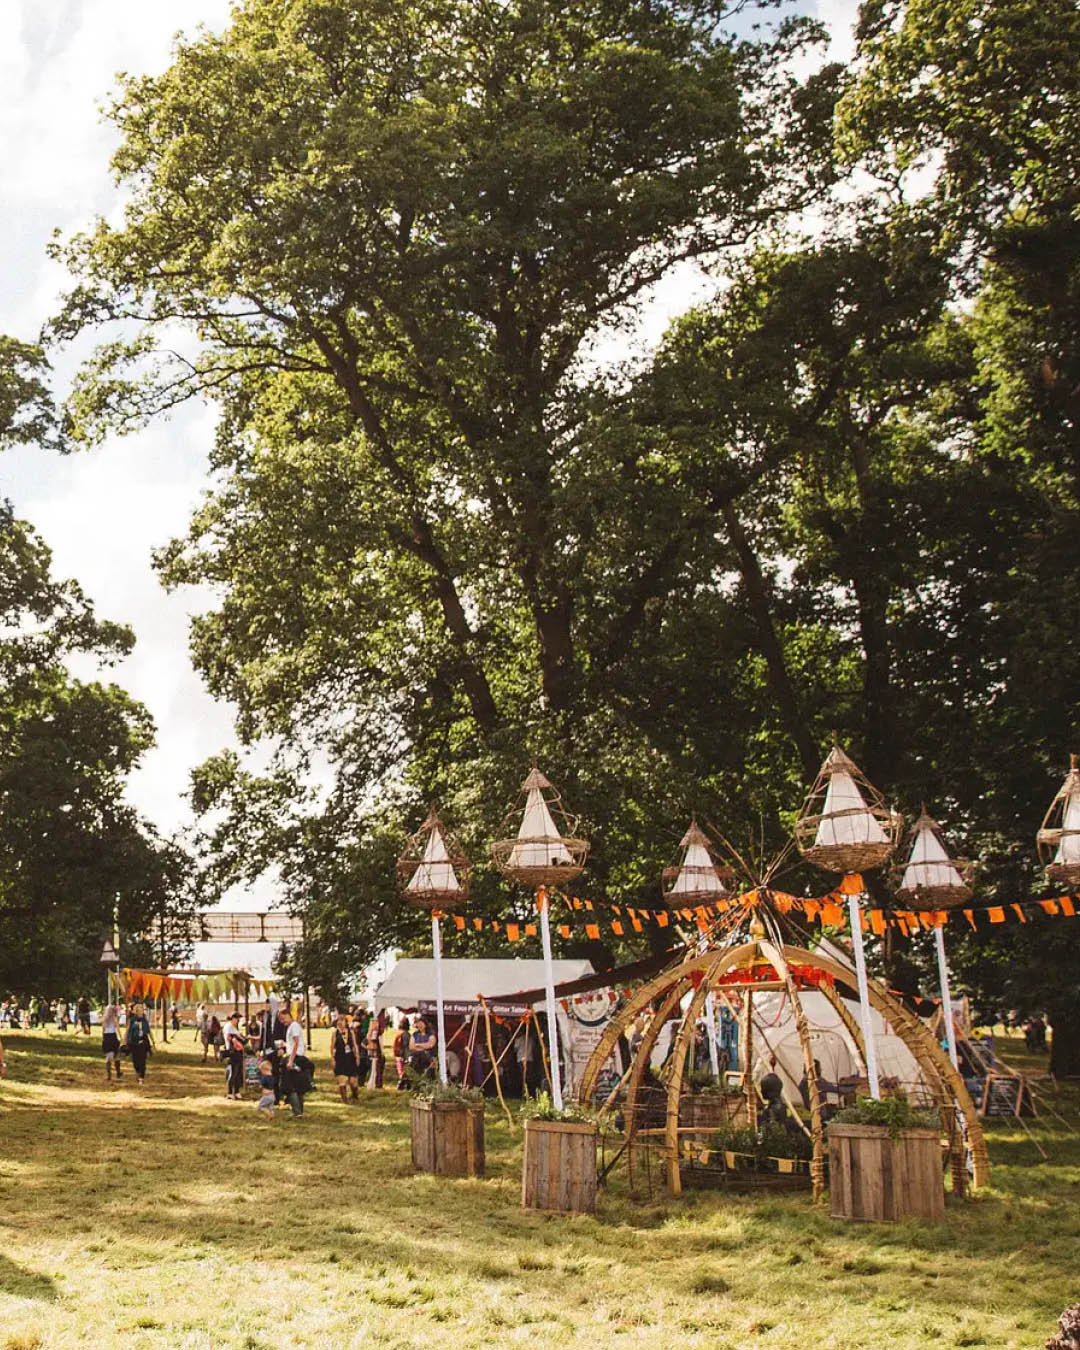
x: 411, y: 984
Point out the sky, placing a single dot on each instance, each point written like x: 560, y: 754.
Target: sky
x: 103, y: 511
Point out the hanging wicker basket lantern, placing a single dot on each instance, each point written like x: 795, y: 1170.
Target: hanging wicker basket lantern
x: 930, y: 879
x: 546, y: 850
x: 1059, y: 838
x: 433, y: 872
x: 699, y: 879
x: 844, y: 825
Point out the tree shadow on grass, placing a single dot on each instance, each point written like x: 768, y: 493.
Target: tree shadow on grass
x: 19, y: 1283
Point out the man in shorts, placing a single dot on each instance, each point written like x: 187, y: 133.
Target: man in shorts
x: 82, y: 1010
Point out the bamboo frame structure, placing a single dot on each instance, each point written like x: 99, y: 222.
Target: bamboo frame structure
x: 520, y: 857
x: 706, y: 971
x: 940, y: 896
x: 1058, y: 828
x: 425, y: 874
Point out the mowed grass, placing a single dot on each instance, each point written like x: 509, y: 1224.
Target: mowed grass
x: 172, y: 1217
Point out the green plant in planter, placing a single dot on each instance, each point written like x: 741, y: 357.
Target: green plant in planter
x: 894, y: 1113
x: 703, y: 1080
x: 541, y: 1107
x: 425, y: 1089
x: 771, y: 1141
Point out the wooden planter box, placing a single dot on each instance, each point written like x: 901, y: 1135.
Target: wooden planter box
x: 559, y: 1170
x: 448, y: 1138
x: 876, y: 1178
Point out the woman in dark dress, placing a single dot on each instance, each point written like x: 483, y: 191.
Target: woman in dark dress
x: 345, y: 1057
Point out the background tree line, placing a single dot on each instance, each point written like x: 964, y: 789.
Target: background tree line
x: 840, y: 496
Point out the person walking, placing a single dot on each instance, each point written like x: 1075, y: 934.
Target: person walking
x: 234, y: 1055
x: 293, y: 1076
x: 82, y: 1011
x: 140, y: 1040
x: 401, y: 1053
x: 375, y: 1051
x: 200, y: 1023
x: 110, y: 1039
x: 345, y: 1058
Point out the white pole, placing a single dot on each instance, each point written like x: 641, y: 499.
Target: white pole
x: 549, y: 987
x: 436, y: 947
x: 946, y: 994
x: 864, y: 996
x: 714, y: 1055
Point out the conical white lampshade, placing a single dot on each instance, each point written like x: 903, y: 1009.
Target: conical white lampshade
x: 1068, y: 850
x: 540, y: 844
x: 861, y: 827
x: 435, y: 871
x: 697, y: 874
x: 928, y: 863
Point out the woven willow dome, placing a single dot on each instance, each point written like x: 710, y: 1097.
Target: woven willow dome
x: 742, y: 974
x: 1059, y: 838
x: 433, y: 872
x: 546, y: 849
x: 844, y: 825
x: 930, y: 879
x: 699, y: 879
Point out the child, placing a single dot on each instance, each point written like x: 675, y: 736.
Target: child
x: 267, y: 1101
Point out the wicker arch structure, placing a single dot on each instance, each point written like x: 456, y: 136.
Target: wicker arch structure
x: 705, y: 972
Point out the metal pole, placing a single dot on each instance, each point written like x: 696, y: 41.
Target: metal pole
x: 549, y: 988
x: 946, y: 995
x: 436, y: 947
x: 864, y: 996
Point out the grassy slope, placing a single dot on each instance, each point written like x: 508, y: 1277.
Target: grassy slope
x: 174, y: 1218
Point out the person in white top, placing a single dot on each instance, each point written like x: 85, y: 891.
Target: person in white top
x: 110, y: 1039
x: 293, y: 1074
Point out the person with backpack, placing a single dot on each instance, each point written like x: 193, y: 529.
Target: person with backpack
x: 401, y: 1053
x: 139, y: 1040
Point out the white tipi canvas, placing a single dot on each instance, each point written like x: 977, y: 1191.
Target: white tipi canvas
x: 929, y: 864
x: 861, y: 827
x: 1068, y: 849
x: 540, y: 844
x: 435, y: 871
x: 698, y: 871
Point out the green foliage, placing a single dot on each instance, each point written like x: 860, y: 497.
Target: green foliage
x: 541, y: 1107
x: 430, y: 1088
x: 770, y: 1141
x: 893, y: 1113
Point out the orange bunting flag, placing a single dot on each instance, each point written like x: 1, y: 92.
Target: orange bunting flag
x: 852, y: 884
x: 530, y: 930
x: 1048, y: 906
x: 996, y: 914
x: 478, y: 924
x: 564, y: 929
x: 812, y: 908
x: 1067, y: 905
x: 636, y: 925
x: 576, y: 903
x: 1020, y: 913
x: 513, y: 932
x: 877, y: 921
x: 662, y: 919
x: 831, y: 913
x: 459, y: 923
x: 588, y: 904
x: 969, y: 914
x: 592, y: 930
x: 616, y: 910
x: 616, y: 927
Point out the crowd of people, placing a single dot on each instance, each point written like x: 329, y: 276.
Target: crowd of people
x: 74, y: 1014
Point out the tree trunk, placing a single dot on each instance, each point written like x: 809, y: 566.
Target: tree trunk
x: 769, y: 644
x: 1065, y: 1047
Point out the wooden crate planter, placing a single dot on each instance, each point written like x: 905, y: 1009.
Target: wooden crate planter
x: 559, y: 1170
x: 448, y: 1138
x: 875, y: 1178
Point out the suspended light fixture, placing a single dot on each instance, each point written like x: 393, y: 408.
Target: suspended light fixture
x: 844, y: 825
x: 931, y: 879
x: 1059, y: 838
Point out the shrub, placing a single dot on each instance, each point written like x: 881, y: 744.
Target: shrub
x: 895, y: 1113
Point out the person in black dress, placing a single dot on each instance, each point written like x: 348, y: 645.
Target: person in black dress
x: 345, y: 1056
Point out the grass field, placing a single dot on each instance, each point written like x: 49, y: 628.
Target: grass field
x: 171, y: 1217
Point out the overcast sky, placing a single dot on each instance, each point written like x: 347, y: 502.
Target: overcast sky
x: 102, y: 512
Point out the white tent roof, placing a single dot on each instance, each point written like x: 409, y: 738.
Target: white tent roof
x: 412, y: 981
